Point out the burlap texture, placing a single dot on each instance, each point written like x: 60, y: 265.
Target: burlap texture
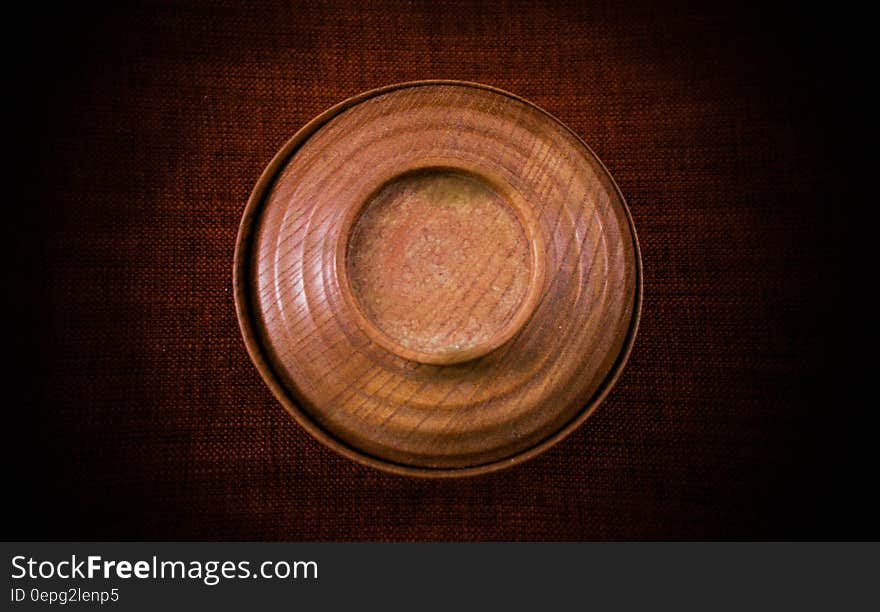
x: 143, y: 131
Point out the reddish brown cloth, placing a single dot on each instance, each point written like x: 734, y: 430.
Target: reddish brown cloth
x: 142, y: 132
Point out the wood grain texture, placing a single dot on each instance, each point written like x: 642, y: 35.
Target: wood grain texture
x: 438, y: 279
x: 442, y: 267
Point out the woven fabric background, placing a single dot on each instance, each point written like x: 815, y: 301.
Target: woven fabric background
x: 142, y: 130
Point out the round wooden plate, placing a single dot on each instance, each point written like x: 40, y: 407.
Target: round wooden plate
x: 437, y: 279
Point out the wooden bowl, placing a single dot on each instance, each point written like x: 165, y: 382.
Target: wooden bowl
x: 437, y: 279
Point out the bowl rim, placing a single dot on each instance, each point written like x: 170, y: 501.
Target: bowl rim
x: 241, y: 276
